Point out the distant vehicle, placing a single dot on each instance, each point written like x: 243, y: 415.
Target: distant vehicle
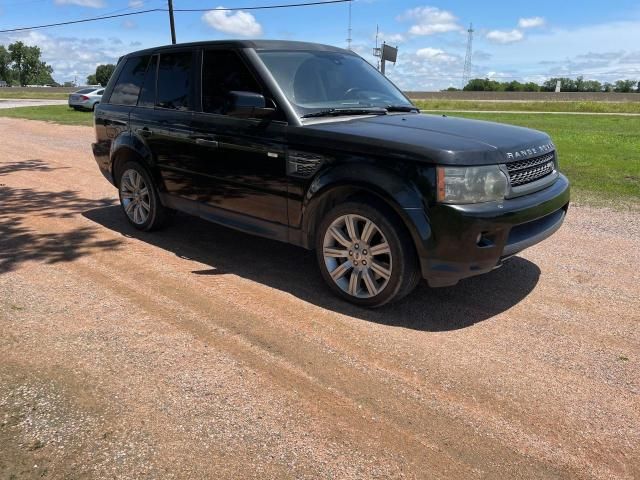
x: 86, y: 99
x: 311, y: 145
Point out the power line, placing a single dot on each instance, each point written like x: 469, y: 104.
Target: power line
x: 151, y: 10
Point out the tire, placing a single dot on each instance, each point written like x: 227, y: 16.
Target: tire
x: 365, y: 254
x: 139, y: 198
x: 93, y: 107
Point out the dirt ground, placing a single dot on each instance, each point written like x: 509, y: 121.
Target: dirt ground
x: 200, y: 352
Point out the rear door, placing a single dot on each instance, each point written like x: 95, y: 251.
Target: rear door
x: 241, y: 161
x: 163, y: 117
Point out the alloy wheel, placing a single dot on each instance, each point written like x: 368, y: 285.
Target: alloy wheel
x: 134, y: 194
x: 357, y: 256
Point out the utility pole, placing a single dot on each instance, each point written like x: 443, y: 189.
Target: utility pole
x: 173, y: 27
x: 466, y: 73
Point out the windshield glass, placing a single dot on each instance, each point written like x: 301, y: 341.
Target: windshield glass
x: 319, y: 80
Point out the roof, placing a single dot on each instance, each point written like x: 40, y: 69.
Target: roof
x: 256, y: 44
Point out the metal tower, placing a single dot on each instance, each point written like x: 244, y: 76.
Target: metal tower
x: 466, y: 72
x: 349, y: 40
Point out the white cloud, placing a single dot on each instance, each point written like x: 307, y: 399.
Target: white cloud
x: 136, y: 3
x: 430, y: 20
x: 435, y: 55
x: 129, y: 24
x: 500, y: 36
x: 531, y: 22
x: 235, y: 23
x: 392, y: 38
x: 82, y: 3
x: 71, y: 56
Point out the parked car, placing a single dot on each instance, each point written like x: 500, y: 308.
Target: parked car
x: 86, y: 99
x: 311, y: 145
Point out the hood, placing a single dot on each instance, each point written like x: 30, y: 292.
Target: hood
x: 438, y: 138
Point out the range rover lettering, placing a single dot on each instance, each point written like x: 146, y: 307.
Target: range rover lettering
x: 311, y: 145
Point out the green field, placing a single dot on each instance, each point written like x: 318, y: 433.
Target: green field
x: 50, y: 113
x: 584, y: 107
x: 42, y: 93
x: 600, y: 154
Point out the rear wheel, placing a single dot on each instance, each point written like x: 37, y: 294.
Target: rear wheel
x: 366, y: 255
x: 139, y: 198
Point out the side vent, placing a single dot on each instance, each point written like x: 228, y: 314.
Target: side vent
x: 301, y: 164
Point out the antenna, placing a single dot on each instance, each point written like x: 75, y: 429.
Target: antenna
x: 466, y: 73
x: 349, y: 38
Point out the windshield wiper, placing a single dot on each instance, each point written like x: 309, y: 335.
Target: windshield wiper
x: 402, y: 108
x: 334, y: 112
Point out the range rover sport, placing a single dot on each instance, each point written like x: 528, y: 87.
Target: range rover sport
x: 309, y: 144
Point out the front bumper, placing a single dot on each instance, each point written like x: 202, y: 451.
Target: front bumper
x: 468, y: 240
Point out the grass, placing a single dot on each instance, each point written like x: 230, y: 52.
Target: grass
x: 599, y: 154
x: 7, y: 94
x: 584, y: 107
x: 50, y: 113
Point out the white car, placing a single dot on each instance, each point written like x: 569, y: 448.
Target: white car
x: 86, y: 99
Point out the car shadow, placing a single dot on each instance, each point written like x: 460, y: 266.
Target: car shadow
x: 294, y: 270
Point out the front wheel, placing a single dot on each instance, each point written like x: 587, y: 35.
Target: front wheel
x: 139, y: 198
x: 365, y: 254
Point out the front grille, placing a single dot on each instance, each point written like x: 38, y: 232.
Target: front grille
x: 527, y: 171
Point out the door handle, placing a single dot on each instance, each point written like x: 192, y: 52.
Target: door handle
x: 144, y: 132
x: 206, y: 142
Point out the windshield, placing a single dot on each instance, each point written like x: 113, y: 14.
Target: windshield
x: 314, y: 81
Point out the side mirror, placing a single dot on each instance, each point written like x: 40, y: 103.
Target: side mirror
x: 248, y: 105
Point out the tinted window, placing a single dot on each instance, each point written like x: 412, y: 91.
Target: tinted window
x: 317, y: 80
x: 175, y: 81
x: 129, y: 81
x: 99, y: 92
x: 148, y: 92
x: 222, y: 72
x: 85, y: 90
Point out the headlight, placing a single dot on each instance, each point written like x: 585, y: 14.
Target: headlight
x: 471, y: 184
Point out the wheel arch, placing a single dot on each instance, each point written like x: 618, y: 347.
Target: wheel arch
x: 127, y: 147
x: 387, y: 187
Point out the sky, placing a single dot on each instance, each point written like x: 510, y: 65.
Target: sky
x: 524, y: 41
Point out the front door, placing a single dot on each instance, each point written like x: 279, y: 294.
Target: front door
x: 242, y: 161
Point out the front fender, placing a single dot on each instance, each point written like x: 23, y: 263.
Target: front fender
x: 397, y: 192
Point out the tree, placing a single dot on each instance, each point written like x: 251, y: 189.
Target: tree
x: 624, y: 86
x: 484, y: 85
x: 592, y: 86
x: 103, y: 73
x: 566, y: 85
x: 91, y: 79
x: 27, y: 66
x: 5, y: 65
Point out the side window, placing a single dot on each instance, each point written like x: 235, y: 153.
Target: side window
x: 100, y: 92
x: 129, y: 82
x: 222, y: 72
x: 175, y: 81
x: 148, y: 92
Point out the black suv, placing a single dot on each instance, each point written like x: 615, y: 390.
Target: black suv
x: 309, y: 144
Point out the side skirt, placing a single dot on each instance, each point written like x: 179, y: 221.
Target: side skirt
x: 237, y: 221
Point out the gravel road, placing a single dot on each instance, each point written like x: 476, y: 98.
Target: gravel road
x: 200, y: 352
